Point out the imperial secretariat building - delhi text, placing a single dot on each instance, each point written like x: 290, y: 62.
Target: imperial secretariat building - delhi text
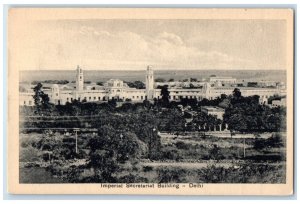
x: 211, y: 88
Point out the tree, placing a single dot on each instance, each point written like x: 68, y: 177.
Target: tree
x: 215, y: 153
x: 252, y: 84
x: 37, y: 94
x: 152, y: 139
x: 245, y: 114
x: 237, y: 93
x: 192, y: 86
x: 175, y: 122
x: 52, y: 145
x: 171, y: 80
x: 160, y: 80
x: 165, y: 93
x: 204, y: 121
x: 130, y: 147
x: 112, y: 103
x: 112, y: 147
x: 223, y: 96
x: 45, y: 100
x: 147, y: 104
x: 41, y: 100
x: 274, y: 97
x: 126, y: 107
x: 168, y: 175
x: 276, y: 140
x: 136, y: 84
x: 104, y: 164
x: 155, y: 101
x: 225, y: 103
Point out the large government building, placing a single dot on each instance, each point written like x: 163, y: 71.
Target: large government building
x: 117, y: 89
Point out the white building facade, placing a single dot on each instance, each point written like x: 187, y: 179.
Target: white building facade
x: 214, y: 111
x: 117, y: 89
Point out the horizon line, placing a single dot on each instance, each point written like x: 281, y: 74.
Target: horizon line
x: 156, y: 69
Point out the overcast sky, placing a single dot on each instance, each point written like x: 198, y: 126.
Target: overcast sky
x: 134, y: 44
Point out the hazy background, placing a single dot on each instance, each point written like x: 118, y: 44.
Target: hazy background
x: 166, y: 44
x: 104, y: 75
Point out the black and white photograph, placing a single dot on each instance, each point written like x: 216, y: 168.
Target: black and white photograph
x: 152, y: 103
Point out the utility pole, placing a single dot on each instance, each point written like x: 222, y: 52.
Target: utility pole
x: 244, y: 147
x: 76, y: 144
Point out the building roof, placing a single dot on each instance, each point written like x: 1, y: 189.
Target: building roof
x: 220, y: 77
x: 213, y: 108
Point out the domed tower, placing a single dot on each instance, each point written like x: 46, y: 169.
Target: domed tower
x: 79, y: 79
x: 149, y: 83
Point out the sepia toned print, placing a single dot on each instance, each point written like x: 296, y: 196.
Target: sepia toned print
x: 122, y: 101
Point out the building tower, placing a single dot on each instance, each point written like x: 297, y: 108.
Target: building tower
x: 55, y: 98
x: 206, y: 90
x: 149, y: 83
x: 79, y: 79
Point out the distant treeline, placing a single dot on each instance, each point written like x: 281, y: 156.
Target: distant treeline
x: 162, y: 80
x: 136, y: 84
x: 51, y: 82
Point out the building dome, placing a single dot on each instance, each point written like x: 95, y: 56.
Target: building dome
x: 55, y: 86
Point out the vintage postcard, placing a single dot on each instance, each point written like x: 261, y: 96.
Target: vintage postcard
x: 150, y: 101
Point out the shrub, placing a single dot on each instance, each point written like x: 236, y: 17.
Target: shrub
x: 215, y: 153
x: 167, y: 175
x: 171, y: 154
x: 130, y: 178
x: 182, y: 145
x: 246, y: 173
x: 147, y: 168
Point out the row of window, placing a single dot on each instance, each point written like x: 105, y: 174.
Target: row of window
x: 182, y: 97
x: 135, y: 97
x: 90, y: 98
x: 104, y: 98
x: 29, y: 103
x: 187, y: 97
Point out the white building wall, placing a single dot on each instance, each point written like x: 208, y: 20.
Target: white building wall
x: 115, y: 88
x: 26, y: 99
x: 91, y: 95
x: 228, y: 80
x: 135, y: 95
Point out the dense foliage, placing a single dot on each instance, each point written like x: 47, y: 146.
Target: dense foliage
x: 136, y: 84
x: 115, y: 135
x: 246, y: 114
x: 51, y: 82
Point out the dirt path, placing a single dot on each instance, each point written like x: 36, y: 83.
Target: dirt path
x: 189, y: 165
x: 218, y: 135
x: 199, y: 165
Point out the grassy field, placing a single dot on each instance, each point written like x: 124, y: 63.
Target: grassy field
x: 197, y: 148
x: 185, y: 159
x: 37, y: 175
